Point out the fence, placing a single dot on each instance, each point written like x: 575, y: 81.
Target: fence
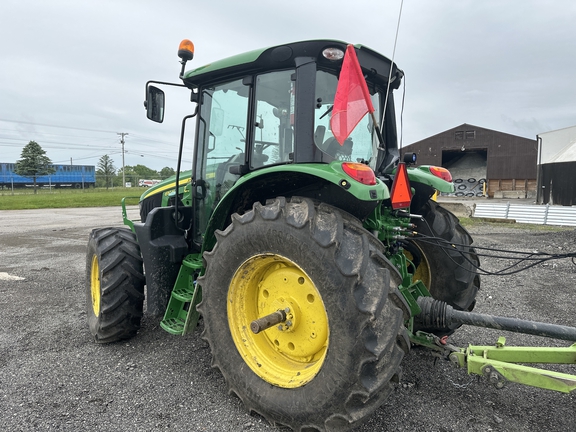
x: 132, y: 180
x: 533, y: 214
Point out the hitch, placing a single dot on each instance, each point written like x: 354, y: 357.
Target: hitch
x: 499, y: 365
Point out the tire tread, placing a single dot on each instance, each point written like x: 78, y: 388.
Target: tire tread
x: 122, y: 283
x: 381, y: 335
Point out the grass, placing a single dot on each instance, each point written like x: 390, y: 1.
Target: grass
x: 23, y: 199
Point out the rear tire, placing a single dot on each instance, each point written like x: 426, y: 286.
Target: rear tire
x: 114, y: 284
x: 450, y: 274
x: 334, y: 363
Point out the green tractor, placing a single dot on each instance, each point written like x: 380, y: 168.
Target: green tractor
x: 309, y: 258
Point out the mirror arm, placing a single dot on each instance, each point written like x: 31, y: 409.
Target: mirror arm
x: 161, y: 83
x: 179, y: 164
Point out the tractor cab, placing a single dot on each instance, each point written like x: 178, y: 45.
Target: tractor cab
x: 264, y: 129
x: 263, y: 112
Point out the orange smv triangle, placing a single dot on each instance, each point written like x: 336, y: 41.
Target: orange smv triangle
x: 401, y: 191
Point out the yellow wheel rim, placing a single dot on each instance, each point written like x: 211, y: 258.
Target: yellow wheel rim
x: 423, y: 270
x: 95, y: 285
x: 289, y: 354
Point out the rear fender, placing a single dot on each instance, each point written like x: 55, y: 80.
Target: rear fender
x: 423, y: 175
x: 327, y: 183
x: 425, y: 185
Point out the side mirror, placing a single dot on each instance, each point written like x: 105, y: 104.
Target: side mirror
x: 154, y: 104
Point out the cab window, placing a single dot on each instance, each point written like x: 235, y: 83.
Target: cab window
x: 362, y: 143
x: 274, y: 119
x: 221, y: 143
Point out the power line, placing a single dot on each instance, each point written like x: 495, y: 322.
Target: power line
x: 99, y: 155
x: 51, y: 134
x: 153, y: 140
x: 55, y: 126
x: 148, y: 142
x: 59, y: 145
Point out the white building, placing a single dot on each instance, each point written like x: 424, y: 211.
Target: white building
x: 557, y: 167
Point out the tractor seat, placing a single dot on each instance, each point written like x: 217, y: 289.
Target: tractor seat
x: 339, y: 152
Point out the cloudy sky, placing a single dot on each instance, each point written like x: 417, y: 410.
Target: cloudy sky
x: 72, y: 72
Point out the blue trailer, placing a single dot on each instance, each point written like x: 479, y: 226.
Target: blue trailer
x: 76, y: 176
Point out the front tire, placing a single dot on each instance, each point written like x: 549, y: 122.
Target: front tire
x: 114, y: 284
x: 343, y: 340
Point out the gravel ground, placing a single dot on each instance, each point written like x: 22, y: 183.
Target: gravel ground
x: 54, y: 377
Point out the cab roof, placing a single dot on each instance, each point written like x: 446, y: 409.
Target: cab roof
x: 374, y: 65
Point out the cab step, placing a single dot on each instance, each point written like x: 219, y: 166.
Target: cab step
x: 181, y: 315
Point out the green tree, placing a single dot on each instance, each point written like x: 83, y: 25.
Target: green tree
x: 130, y: 175
x: 143, y: 172
x: 106, y: 169
x: 134, y: 174
x: 166, y: 172
x: 34, y: 162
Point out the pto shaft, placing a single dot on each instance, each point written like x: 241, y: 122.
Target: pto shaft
x: 438, y: 314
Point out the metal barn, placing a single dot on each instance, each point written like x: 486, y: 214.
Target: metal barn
x: 482, y: 161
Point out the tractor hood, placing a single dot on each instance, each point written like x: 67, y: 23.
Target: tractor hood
x: 168, y: 185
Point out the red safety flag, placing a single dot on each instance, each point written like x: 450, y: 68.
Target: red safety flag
x: 352, y: 100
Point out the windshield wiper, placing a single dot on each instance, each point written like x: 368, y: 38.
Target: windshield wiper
x: 326, y: 113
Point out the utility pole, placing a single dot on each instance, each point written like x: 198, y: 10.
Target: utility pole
x: 123, y: 169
